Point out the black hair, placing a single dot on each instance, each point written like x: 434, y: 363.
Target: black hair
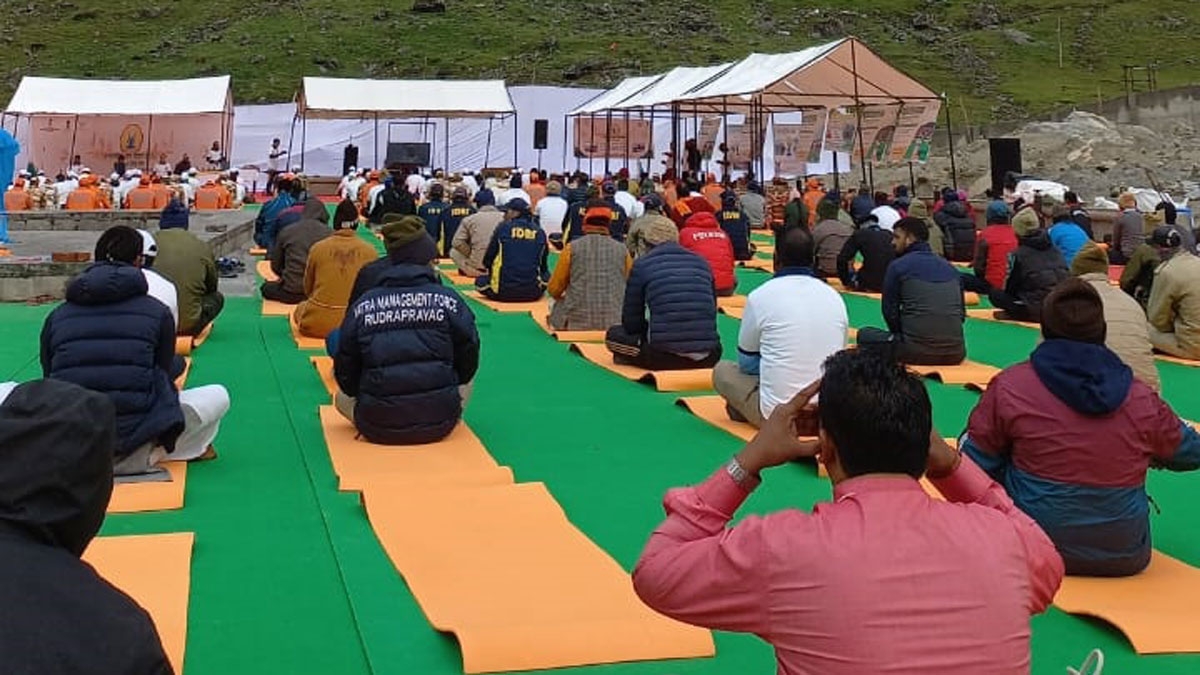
x: 794, y: 247
x: 876, y: 412
x: 1070, y: 197
x: 918, y: 228
x: 623, y: 184
x: 283, y: 185
x: 119, y: 243
x: 1169, y: 213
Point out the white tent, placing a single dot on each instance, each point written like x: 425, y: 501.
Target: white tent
x: 608, y: 99
x: 336, y: 98
x: 670, y: 87
x: 841, y: 73
x: 102, y: 120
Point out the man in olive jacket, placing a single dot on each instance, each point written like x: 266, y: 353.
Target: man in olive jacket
x: 189, y: 264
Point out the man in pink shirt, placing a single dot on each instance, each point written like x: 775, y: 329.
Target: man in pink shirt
x: 883, y: 579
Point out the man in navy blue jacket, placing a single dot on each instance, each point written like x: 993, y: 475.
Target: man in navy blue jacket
x: 922, y: 303
x: 407, y: 351
x: 735, y: 223
x: 517, y: 259
x: 677, y: 288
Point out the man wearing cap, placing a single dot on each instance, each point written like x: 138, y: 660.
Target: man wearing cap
x: 431, y: 212
x: 551, y: 212
x: 453, y: 214
x: 190, y: 265
x: 675, y: 288
x: 588, y: 284
x: 474, y: 234
x: 922, y: 303
x: 736, y: 225
x: 653, y: 219
x: 516, y: 260
x: 1128, y: 335
x: 1034, y: 269
x: 996, y: 244
x: 1174, y: 306
x: 1071, y: 434
x: 160, y: 288
x: 406, y: 353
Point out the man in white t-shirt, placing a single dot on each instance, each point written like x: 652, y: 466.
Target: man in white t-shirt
x: 633, y: 208
x: 159, y: 287
x: 551, y: 210
x: 415, y: 185
x: 790, y: 325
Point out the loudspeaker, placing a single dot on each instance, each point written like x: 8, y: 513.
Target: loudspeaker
x: 1006, y: 159
x: 541, y: 133
x: 349, y: 158
x: 409, y: 154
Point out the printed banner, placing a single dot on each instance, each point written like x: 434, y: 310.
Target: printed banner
x: 708, y: 136
x: 738, y: 147
x: 798, y: 145
x: 621, y: 136
x: 841, y: 131
x: 914, y: 131
x: 878, y: 130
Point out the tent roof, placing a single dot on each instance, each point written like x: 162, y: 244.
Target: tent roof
x: 626, y: 88
x: 822, y: 76
x: 333, y: 98
x: 671, y: 87
x: 49, y: 95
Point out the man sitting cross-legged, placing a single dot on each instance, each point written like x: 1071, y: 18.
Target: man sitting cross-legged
x: 516, y: 259
x: 1071, y: 433
x: 407, y: 351
x: 588, y: 284
x: 790, y: 325
x: 922, y: 303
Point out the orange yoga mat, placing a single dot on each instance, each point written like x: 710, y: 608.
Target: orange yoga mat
x: 258, y: 251
x: 520, y: 586
x: 182, y: 379
x: 263, y: 267
x: 735, y: 312
x: 1166, y: 358
x: 543, y: 322
x: 151, y: 496
x: 664, y: 380
x: 735, y: 301
x: 711, y: 409
x: 535, y: 306
x: 200, y: 339
x: 990, y: 315
x: 303, y: 341
x: 1156, y: 609
x: 156, y: 571
x: 967, y: 372
x: 460, y: 457
x: 183, y: 345
x: 324, y: 366
x: 275, y: 308
x: 456, y: 278
x: 970, y: 299
x: 764, y: 248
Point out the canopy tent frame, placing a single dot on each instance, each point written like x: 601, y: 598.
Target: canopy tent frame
x: 369, y: 99
x: 149, y: 99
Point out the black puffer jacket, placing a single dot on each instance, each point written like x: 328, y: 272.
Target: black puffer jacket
x: 405, y: 347
x: 1036, y: 268
x: 959, y: 231
x: 112, y: 338
x: 675, y: 286
x: 60, y: 616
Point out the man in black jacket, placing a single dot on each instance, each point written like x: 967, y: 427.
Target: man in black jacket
x: 59, y: 615
x: 875, y: 245
x: 958, y: 228
x: 392, y: 199
x: 407, y: 351
x: 1036, y: 268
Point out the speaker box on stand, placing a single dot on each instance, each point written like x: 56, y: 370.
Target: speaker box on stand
x: 1006, y: 159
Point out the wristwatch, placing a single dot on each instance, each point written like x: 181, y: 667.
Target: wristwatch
x: 741, y: 476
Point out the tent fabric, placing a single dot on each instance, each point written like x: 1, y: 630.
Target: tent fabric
x: 339, y: 98
x: 841, y: 73
x: 607, y: 99
x: 671, y: 87
x: 48, y: 95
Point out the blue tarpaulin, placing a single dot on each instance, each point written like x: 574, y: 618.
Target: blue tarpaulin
x: 8, y: 163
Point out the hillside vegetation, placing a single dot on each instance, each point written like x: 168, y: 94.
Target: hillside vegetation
x: 998, y: 59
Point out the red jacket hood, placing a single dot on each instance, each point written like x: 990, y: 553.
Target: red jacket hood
x: 703, y: 220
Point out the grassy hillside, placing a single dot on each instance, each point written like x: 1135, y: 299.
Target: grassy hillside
x: 998, y: 58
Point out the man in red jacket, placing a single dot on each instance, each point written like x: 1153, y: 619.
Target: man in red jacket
x: 690, y: 202
x: 702, y: 235
x: 993, y: 247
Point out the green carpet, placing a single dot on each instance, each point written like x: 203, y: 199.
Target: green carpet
x: 287, y: 574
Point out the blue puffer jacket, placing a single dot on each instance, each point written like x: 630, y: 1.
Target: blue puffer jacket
x: 676, y: 286
x: 112, y: 338
x: 405, y: 347
x: 266, y: 225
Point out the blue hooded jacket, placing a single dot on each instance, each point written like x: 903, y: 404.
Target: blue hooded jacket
x: 113, y: 338
x: 266, y: 225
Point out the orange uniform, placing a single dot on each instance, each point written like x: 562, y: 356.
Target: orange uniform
x: 18, y: 198
x: 162, y: 195
x: 536, y: 192
x: 87, y: 197
x: 140, y: 198
x: 813, y: 194
x: 211, y: 197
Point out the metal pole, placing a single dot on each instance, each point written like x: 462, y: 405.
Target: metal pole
x: 627, y: 141
x: 950, y: 135
x: 303, y: 140
x: 74, y: 133
x: 862, y: 152
x: 446, y: 133
x: 487, y: 151
x: 149, y: 149
x: 912, y: 179
x: 674, y: 145
x: 516, y: 141
x: 607, y: 140
x: 376, y: 167
x: 837, y: 173
x: 566, y: 123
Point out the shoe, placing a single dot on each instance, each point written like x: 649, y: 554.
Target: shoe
x: 209, y: 454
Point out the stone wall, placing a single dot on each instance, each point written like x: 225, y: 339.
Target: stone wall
x: 98, y: 221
